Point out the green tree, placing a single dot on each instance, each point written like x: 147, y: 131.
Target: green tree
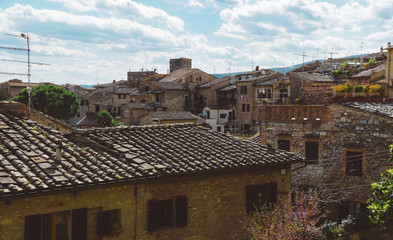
x: 381, y: 203
x: 104, y: 119
x: 55, y: 101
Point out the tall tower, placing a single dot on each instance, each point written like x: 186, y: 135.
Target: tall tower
x: 179, y: 63
x: 389, y: 70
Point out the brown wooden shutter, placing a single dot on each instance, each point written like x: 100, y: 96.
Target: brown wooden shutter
x: 181, y: 211
x: 79, y: 224
x: 33, y: 227
x: 250, y: 198
x: 152, y: 215
x: 104, y: 225
x: 271, y: 193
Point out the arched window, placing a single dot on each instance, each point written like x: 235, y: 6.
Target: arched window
x: 126, y: 113
x: 147, y: 88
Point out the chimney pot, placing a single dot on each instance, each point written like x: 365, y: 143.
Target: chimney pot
x: 58, y: 149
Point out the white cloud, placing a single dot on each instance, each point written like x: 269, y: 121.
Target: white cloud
x: 195, y: 3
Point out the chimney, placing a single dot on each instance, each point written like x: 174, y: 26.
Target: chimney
x: 59, y: 147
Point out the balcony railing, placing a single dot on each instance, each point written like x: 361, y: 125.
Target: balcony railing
x: 226, y: 101
x: 294, y: 113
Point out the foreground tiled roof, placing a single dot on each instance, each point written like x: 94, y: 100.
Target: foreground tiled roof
x: 28, y: 155
x: 377, y: 108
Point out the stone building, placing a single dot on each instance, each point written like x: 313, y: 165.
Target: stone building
x: 179, y: 63
x: 157, y: 182
x: 14, y: 86
x: 346, y: 147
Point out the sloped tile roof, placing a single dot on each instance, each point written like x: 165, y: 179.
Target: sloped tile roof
x: 170, y: 86
x: 28, y: 155
x: 383, y: 109
x: 181, y: 115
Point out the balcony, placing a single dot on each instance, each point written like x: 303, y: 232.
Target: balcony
x: 226, y: 101
x: 294, y: 113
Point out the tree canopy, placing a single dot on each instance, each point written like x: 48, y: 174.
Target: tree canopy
x: 381, y: 203
x: 55, y: 101
x: 105, y: 119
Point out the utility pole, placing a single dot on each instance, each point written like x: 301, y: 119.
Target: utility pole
x: 301, y: 85
x: 25, y: 36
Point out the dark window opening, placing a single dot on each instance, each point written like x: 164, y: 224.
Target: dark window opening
x: 283, y: 93
x: 223, y: 115
x: 218, y: 129
x: 122, y: 96
x: 248, y: 107
x: 258, y: 195
x: 157, y: 98
x: 147, y: 88
x: 311, y: 151
x: 167, y: 213
x: 246, y: 126
x: 208, y: 114
x: 243, y: 107
x: 107, y: 221
x: 351, y: 208
x: 284, y: 144
x: 353, y: 163
x: 243, y: 90
x: 97, y: 108
x: 59, y: 225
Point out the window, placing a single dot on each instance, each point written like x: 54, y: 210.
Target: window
x: 157, y: 98
x: 97, y: 108
x: 243, y: 90
x: 243, y: 107
x: 283, y: 93
x: 167, y: 213
x: 353, y: 160
x: 257, y: 195
x: 107, y: 221
x: 351, y: 208
x: 218, y: 129
x: 284, y: 145
x: 223, y: 115
x: 207, y: 114
x: 147, y: 88
x: 248, y: 107
x: 264, y: 93
x: 246, y: 126
x: 84, y: 102
x: 60, y: 225
x: 122, y: 96
x: 311, y: 152
x: 126, y: 114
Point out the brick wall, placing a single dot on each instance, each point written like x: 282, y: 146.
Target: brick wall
x: 216, y: 203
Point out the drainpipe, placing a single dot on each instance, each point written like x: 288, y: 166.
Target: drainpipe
x: 136, y: 211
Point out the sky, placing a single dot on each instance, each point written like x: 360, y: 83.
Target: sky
x: 98, y: 41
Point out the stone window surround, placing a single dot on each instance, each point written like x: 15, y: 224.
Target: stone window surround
x: 364, y: 160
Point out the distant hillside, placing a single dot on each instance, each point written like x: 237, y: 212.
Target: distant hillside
x: 284, y: 70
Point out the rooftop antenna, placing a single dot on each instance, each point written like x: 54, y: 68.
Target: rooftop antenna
x: 25, y: 36
x: 331, y: 53
x: 301, y: 85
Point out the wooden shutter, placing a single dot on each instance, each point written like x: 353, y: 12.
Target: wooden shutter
x: 104, y: 223
x: 271, y: 193
x: 79, y: 224
x: 152, y: 217
x: 250, y: 198
x: 181, y: 211
x: 33, y: 227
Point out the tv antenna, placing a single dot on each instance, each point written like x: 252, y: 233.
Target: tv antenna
x: 25, y: 36
x: 331, y: 53
x: 301, y: 84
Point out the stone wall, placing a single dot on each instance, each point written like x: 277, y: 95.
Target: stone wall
x: 216, y: 203
x: 345, y: 129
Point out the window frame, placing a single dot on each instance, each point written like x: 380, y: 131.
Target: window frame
x: 107, y: 220
x: 314, y: 156
x: 356, y: 162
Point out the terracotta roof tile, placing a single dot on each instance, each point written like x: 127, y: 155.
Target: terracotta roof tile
x: 28, y: 161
